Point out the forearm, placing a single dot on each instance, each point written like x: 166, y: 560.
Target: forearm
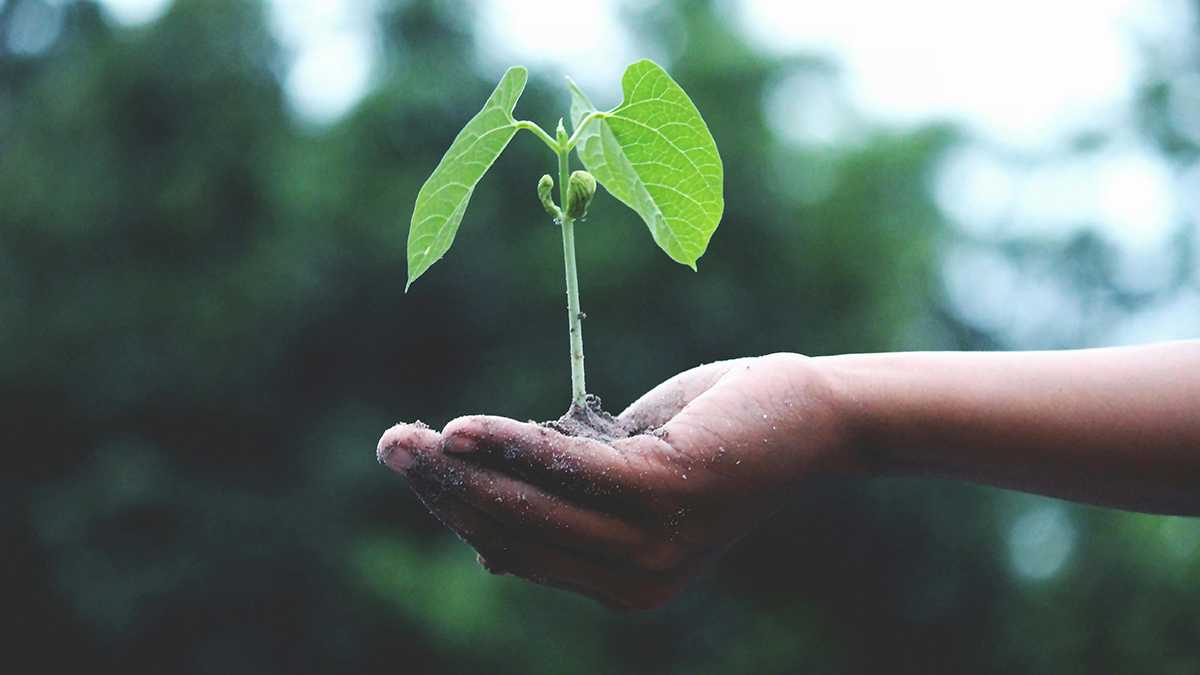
x: 1119, y: 427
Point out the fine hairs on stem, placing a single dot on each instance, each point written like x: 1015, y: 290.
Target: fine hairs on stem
x: 574, y: 314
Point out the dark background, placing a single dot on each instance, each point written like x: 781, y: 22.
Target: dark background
x: 203, y: 333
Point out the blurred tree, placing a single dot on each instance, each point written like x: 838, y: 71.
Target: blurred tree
x: 203, y: 332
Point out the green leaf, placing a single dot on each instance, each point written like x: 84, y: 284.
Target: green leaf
x: 443, y: 198
x: 654, y: 153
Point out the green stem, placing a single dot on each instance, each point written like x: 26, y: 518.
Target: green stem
x: 595, y: 115
x: 539, y: 132
x: 574, y: 316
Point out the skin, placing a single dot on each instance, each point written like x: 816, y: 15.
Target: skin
x: 630, y: 521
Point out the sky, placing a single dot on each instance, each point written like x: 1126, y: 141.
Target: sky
x: 1002, y: 71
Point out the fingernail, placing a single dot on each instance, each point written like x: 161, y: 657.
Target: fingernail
x: 458, y: 443
x: 389, y: 451
x: 461, y: 435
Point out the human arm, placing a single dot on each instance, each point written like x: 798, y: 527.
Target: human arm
x: 717, y: 448
x: 1116, y: 426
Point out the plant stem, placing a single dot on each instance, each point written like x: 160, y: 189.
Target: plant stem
x: 594, y: 115
x: 574, y: 316
x: 539, y: 132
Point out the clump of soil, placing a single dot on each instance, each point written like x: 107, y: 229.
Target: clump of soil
x: 590, y: 421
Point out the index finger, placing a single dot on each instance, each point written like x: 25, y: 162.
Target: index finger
x: 558, y: 463
x: 404, y: 444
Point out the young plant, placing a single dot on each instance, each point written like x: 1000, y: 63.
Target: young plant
x: 653, y: 152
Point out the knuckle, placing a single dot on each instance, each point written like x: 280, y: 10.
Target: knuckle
x: 464, y: 432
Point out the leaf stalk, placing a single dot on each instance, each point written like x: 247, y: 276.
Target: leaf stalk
x: 539, y: 132
x: 595, y: 115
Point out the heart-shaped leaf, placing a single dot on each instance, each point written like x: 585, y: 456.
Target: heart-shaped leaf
x: 444, y: 196
x: 654, y: 153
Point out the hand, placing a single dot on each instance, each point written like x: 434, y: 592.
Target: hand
x: 628, y: 522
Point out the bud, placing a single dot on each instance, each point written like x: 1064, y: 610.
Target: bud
x: 560, y: 133
x: 580, y: 190
x: 545, y: 187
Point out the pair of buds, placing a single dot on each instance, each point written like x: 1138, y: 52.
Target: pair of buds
x: 581, y: 187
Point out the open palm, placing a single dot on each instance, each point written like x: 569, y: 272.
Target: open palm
x: 628, y: 520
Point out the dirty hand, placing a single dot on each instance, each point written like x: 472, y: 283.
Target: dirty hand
x: 627, y: 521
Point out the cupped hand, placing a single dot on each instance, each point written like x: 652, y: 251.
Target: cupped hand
x: 628, y: 521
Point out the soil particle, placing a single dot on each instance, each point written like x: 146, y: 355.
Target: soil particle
x: 590, y: 421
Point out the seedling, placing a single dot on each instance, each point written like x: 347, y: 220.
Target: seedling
x: 653, y: 152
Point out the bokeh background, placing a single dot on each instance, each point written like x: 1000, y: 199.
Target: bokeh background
x: 203, y: 212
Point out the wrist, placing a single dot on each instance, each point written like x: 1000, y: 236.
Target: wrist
x: 849, y: 381
x: 828, y: 429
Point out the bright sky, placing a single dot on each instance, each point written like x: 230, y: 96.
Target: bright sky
x: 1021, y: 71
x: 134, y: 12
x: 332, y: 45
x: 1023, y: 76
x: 1004, y: 69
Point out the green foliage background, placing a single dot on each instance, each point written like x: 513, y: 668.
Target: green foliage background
x: 203, y: 333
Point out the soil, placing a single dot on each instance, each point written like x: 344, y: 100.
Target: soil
x: 591, y: 421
